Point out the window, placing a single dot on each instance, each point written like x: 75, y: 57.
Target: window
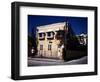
x: 41, y: 47
x: 49, y: 47
x: 40, y: 34
x: 49, y: 34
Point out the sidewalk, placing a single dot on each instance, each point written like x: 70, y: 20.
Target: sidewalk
x: 46, y: 59
x: 47, y: 62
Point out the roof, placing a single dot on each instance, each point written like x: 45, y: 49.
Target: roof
x: 52, y: 27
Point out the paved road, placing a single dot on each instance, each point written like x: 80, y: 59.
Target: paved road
x: 47, y: 62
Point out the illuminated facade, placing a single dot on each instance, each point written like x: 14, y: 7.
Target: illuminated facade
x: 51, y: 40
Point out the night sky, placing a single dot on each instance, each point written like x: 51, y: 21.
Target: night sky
x: 78, y: 24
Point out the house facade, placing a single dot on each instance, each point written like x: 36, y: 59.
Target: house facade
x: 51, y: 40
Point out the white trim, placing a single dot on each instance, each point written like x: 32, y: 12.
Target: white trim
x: 25, y: 70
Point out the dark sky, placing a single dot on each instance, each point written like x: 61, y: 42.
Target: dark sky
x: 78, y: 24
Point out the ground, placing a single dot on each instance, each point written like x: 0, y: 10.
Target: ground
x: 47, y: 62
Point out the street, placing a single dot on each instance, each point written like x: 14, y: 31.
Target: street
x: 48, y: 62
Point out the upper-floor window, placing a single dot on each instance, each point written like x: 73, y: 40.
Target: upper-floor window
x: 41, y: 36
x: 50, y: 35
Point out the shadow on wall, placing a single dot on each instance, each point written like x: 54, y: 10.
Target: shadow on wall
x: 73, y: 49
x: 32, y: 47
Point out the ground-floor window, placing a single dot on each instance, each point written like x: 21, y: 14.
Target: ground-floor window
x: 41, y: 47
x: 49, y: 47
